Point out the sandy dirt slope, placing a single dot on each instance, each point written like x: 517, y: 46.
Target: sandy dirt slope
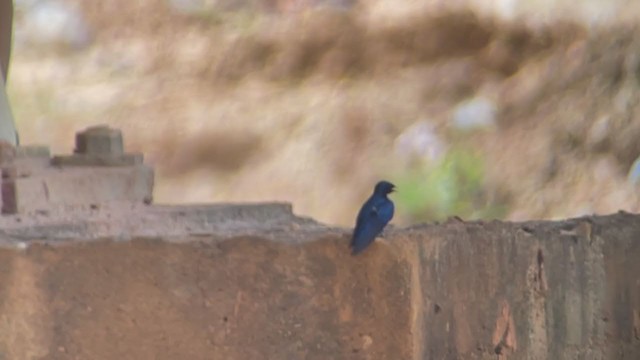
x: 307, y: 106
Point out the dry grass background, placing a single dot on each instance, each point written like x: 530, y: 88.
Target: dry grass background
x: 306, y: 106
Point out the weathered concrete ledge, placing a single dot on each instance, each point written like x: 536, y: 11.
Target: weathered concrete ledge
x: 256, y: 282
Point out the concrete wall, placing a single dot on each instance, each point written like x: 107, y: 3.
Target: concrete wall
x: 256, y: 282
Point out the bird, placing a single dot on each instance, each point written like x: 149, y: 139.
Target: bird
x: 374, y: 215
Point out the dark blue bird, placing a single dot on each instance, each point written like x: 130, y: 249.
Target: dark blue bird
x: 373, y: 217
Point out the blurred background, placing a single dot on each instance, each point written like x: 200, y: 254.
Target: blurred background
x: 507, y: 109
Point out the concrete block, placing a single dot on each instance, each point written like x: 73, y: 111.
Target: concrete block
x: 24, y: 168
x: 98, y: 160
x: 482, y: 291
x: 33, y: 151
x: 7, y: 152
x: 53, y: 187
x: 29, y: 160
x: 99, y: 140
x: 98, y: 173
x: 98, y: 146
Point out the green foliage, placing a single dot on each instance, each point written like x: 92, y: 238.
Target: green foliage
x: 452, y: 186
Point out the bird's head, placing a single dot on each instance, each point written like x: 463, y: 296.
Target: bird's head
x: 384, y: 188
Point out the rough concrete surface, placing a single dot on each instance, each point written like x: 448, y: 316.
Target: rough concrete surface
x: 52, y: 187
x: 99, y: 172
x: 256, y: 282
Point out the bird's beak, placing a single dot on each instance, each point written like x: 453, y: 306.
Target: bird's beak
x: 393, y: 189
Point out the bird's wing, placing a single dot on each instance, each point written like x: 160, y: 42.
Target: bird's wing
x: 369, y: 224
x: 385, y: 210
x: 365, y: 212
